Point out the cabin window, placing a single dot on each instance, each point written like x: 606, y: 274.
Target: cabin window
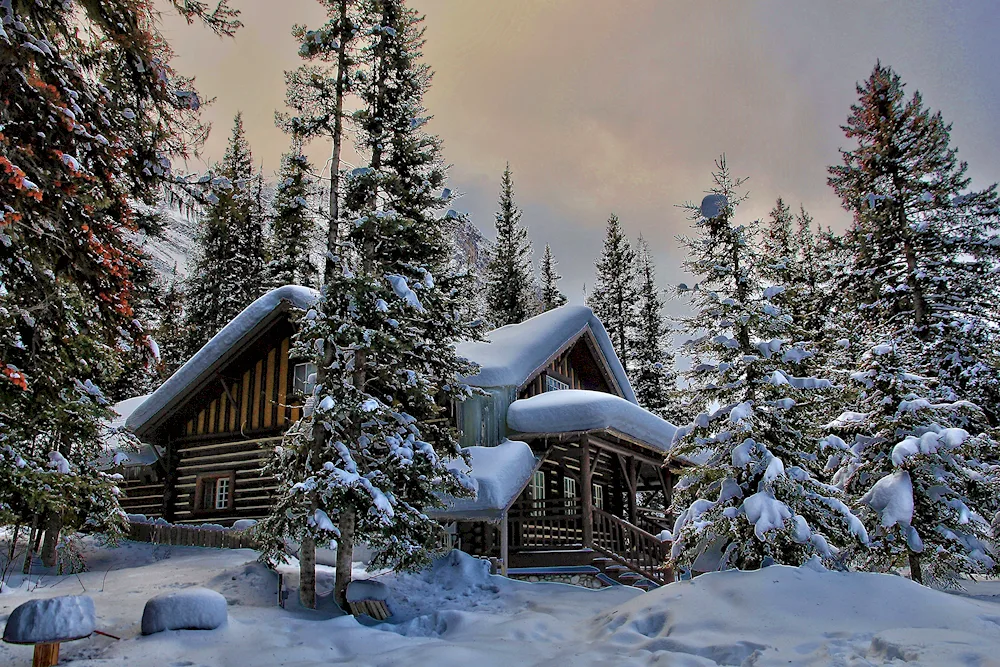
x: 214, y: 492
x: 598, y: 496
x: 538, y: 491
x: 554, y: 384
x: 304, y: 378
x: 569, y: 491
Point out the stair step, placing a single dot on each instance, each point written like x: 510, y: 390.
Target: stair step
x: 645, y: 584
x: 617, y: 568
x: 629, y: 576
x: 556, y: 569
x: 607, y: 580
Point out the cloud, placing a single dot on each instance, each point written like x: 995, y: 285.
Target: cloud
x: 622, y: 107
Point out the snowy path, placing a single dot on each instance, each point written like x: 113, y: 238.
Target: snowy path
x: 456, y: 614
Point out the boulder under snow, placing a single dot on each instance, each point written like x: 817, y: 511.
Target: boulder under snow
x: 189, y: 609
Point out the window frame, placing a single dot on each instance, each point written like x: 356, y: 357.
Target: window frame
x: 201, y: 481
x: 571, y: 495
x: 553, y: 383
x: 597, y: 492
x: 537, y: 491
x: 306, y: 389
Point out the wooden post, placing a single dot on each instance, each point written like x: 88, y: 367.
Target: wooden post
x: 586, y: 493
x: 504, y: 544
x: 633, y: 469
x: 45, y: 655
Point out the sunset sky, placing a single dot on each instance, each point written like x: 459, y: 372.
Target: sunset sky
x: 622, y: 106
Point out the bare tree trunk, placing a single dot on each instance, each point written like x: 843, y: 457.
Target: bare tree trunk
x: 13, y: 543
x: 307, y: 573
x: 345, y: 557
x: 916, y: 574
x: 333, y: 230
x: 31, y: 546
x: 53, y: 526
x: 307, y: 549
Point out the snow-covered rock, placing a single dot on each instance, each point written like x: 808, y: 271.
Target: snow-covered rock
x: 189, y: 609
x: 56, y: 619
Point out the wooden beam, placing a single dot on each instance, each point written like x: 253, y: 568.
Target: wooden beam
x: 504, y: 544
x: 633, y: 469
x: 586, y: 494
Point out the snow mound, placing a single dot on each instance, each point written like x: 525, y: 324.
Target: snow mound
x: 803, y: 616
x: 190, y: 609
x: 57, y: 619
x: 580, y: 410
x: 497, y: 473
x: 511, y: 354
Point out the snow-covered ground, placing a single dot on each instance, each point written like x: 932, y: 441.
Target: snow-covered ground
x: 455, y: 614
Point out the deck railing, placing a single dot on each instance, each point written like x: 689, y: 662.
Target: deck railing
x: 653, y: 521
x: 555, y: 522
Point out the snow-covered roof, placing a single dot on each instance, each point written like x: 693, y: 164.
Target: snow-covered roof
x: 509, y: 356
x: 512, y: 354
x: 119, y: 449
x: 209, y: 356
x: 572, y: 410
x: 498, y: 473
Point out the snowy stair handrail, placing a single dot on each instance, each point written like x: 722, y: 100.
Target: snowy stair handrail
x: 631, y: 546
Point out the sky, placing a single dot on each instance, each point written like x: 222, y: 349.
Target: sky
x: 622, y: 107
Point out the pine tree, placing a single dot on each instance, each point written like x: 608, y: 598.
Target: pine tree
x: 921, y: 299
x: 652, y: 365
x: 293, y: 227
x: 386, y: 324
x: 510, y: 284
x: 927, y: 484
x: 228, y: 271
x: 551, y: 296
x: 923, y: 244
x: 171, y: 333
x: 756, y: 495
x: 614, y: 297
x: 91, y: 114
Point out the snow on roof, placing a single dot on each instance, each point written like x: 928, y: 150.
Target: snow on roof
x: 498, y: 473
x: 119, y: 448
x: 215, y: 349
x: 512, y: 354
x: 508, y: 357
x: 571, y: 410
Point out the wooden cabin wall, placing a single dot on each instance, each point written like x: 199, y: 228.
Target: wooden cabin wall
x: 228, y: 429
x: 577, y: 366
x: 142, y: 496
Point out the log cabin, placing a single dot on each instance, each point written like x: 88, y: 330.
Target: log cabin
x: 559, y: 447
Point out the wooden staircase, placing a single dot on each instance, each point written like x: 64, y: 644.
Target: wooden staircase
x: 554, y: 533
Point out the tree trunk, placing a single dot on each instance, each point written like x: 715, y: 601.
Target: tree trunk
x: 307, y: 573
x: 30, y: 547
x: 345, y: 557
x: 13, y: 544
x: 916, y: 574
x: 333, y: 231
x: 52, y: 527
x: 916, y: 292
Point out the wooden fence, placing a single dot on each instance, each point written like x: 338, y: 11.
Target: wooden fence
x: 188, y: 536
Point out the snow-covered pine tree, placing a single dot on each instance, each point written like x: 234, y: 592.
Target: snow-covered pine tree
x: 551, y: 296
x: 370, y: 458
x: 510, y: 282
x: 922, y: 248
x: 613, y: 299
x: 91, y: 113
x: 752, y: 496
x: 927, y: 486
x: 316, y: 94
x: 293, y: 225
x: 924, y: 244
x: 651, y: 370
x: 171, y: 331
x: 228, y: 267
